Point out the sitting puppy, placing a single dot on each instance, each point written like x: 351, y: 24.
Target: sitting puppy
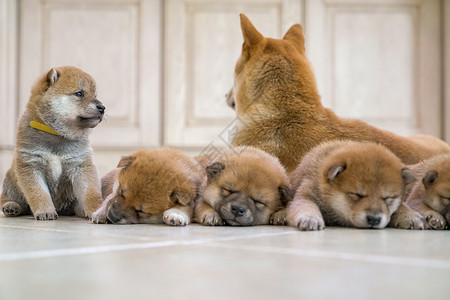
x: 350, y: 184
x: 151, y: 186
x: 427, y: 199
x: 52, y: 172
x: 245, y: 186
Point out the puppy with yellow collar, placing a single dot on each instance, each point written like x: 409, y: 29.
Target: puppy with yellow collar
x: 52, y: 172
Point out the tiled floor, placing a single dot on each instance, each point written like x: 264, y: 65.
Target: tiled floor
x: 73, y: 259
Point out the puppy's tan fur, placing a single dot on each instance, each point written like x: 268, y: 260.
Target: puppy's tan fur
x: 151, y: 186
x: 246, y: 186
x: 349, y: 183
x: 427, y: 198
x: 54, y: 174
x: 276, y: 98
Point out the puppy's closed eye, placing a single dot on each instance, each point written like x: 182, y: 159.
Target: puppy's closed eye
x: 355, y: 196
x: 259, y: 204
x: 227, y: 192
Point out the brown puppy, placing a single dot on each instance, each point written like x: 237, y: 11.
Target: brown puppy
x: 151, y: 186
x: 276, y: 98
x: 52, y: 172
x: 246, y: 186
x: 349, y: 183
x: 428, y: 198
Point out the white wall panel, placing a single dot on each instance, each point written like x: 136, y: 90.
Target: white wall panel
x: 8, y: 82
x: 8, y: 72
x: 378, y: 61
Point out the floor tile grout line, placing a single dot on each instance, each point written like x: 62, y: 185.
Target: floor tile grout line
x: 100, y: 233
x: 9, y: 257
x: 367, y: 258
x: 77, y: 232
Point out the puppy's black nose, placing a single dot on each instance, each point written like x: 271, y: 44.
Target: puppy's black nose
x: 373, y: 220
x: 237, y: 210
x: 101, y: 108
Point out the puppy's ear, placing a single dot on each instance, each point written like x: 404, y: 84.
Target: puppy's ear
x: 295, y: 35
x: 408, y: 175
x: 213, y: 171
x: 429, y: 179
x: 286, y: 194
x: 181, y: 196
x: 249, y: 32
x: 335, y: 170
x: 125, y: 161
x: 52, y: 77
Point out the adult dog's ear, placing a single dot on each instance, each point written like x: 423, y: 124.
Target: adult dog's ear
x: 296, y: 36
x: 286, y: 194
x: 125, y: 161
x: 213, y: 171
x: 249, y: 32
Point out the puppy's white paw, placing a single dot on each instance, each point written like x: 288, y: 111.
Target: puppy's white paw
x: 46, y: 215
x: 279, y: 218
x: 309, y: 222
x: 409, y: 220
x: 99, y: 216
x: 175, y: 217
x: 435, y: 220
x: 211, y: 218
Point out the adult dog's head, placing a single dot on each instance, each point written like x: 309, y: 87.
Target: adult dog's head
x: 268, y: 69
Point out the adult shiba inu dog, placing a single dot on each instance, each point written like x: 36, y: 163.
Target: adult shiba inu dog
x: 52, y: 172
x: 428, y: 198
x: 346, y: 183
x: 275, y: 96
x: 151, y: 186
x: 245, y: 186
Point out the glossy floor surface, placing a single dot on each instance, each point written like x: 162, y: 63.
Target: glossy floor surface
x: 71, y: 258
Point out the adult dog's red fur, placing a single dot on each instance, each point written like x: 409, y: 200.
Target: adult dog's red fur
x: 276, y: 98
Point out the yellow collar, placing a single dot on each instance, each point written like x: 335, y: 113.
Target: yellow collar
x: 42, y: 127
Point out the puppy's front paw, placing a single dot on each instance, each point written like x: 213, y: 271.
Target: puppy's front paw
x: 11, y: 209
x: 279, y: 218
x: 99, y: 217
x: 175, y: 217
x: 309, y: 222
x: 46, y: 215
x: 410, y: 220
x: 211, y: 218
x: 435, y: 220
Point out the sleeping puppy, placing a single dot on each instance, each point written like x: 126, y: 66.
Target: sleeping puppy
x: 426, y: 200
x: 345, y: 183
x: 151, y: 186
x: 245, y: 186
